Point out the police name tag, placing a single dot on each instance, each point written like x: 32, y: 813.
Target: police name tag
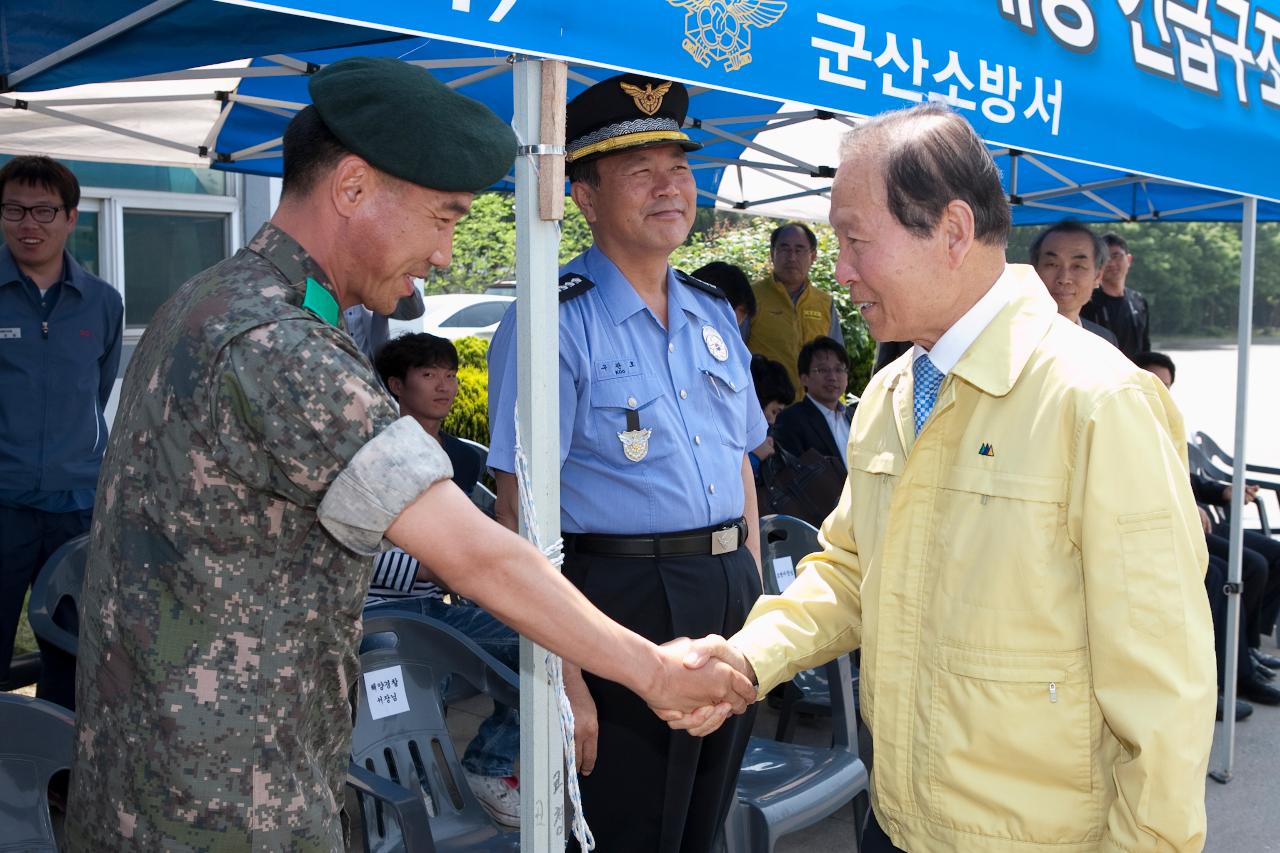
x: 384, y: 689
x: 13, y: 334
x: 785, y: 571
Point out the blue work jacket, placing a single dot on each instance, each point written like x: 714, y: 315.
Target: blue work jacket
x: 56, y: 375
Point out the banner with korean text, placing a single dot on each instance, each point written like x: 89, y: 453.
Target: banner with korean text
x: 1183, y: 89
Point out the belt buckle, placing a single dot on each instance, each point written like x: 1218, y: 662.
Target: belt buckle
x: 724, y: 541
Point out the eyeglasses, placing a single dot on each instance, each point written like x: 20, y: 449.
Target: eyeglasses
x: 42, y: 213
x: 829, y: 371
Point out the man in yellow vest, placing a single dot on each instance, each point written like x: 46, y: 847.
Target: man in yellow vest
x: 790, y: 313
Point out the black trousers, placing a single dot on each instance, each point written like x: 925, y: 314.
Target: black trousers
x: 28, y: 537
x: 655, y: 790
x: 1214, y: 579
x: 1260, y: 574
x: 874, y: 839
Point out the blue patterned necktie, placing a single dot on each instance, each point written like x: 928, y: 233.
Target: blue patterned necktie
x: 927, y: 379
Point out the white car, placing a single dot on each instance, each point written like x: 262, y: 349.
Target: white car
x: 457, y: 315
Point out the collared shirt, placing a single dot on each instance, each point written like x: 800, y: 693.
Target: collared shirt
x: 59, y: 353
x: 837, y: 421
x: 956, y: 340
x: 615, y: 357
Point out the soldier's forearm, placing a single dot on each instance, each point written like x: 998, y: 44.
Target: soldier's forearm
x: 506, y: 575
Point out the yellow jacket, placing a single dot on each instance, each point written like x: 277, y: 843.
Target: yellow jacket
x: 780, y: 327
x: 1025, y: 580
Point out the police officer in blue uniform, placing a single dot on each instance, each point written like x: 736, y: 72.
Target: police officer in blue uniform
x: 657, y: 413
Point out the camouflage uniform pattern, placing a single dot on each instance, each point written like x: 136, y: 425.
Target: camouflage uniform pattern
x: 221, y: 610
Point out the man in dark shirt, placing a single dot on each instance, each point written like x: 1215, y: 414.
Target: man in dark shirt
x: 820, y: 420
x: 421, y: 372
x: 1120, y: 309
x: 1068, y: 257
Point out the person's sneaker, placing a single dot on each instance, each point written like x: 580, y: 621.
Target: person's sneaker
x: 500, y: 796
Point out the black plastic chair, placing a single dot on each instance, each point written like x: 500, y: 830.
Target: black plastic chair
x: 414, y: 749
x: 808, y: 693
x: 481, y: 495
x: 785, y: 787
x: 36, y: 743
x: 1218, y: 465
x: 408, y: 807
x: 54, y: 607
x: 1201, y: 461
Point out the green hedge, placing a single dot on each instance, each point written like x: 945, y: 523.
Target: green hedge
x: 469, y: 417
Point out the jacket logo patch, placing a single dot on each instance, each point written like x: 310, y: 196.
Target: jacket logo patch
x: 986, y: 450
x: 10, y: 334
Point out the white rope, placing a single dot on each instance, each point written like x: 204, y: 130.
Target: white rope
x: 555, y: 671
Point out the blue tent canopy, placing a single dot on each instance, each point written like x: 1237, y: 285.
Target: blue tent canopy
x: 808, y: 56
x: 1186, y: 95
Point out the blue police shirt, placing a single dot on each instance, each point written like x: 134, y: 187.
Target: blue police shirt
x: 616, y: 357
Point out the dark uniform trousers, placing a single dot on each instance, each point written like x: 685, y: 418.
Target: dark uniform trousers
x: 655, y: 790
x: 28, y: 538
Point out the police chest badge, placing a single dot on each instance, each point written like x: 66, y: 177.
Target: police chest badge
x: 635, y: 443
x: 715, y: 344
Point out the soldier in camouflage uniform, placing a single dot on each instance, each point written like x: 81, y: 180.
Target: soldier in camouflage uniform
x: 255, y: 465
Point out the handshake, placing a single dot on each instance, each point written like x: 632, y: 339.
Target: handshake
x: 700, y: 683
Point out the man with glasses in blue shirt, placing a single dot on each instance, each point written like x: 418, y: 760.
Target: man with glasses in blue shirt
x: 60, y: 340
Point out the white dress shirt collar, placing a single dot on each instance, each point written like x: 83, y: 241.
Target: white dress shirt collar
x: 957, y: 339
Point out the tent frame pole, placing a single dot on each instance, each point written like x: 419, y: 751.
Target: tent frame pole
x: 542, y: 813
x: 1225, y: 742
x: 115, y: 28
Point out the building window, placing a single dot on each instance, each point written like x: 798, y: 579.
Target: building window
x: 162, y: 249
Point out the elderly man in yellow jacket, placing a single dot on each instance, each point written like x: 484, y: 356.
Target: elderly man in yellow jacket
x: 1017, y: 551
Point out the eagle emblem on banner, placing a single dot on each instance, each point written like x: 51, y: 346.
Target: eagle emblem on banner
x: 720, y: 30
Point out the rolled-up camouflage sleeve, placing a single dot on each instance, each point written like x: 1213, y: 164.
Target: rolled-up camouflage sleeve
x: 301, y: 414
x: 384, y: 477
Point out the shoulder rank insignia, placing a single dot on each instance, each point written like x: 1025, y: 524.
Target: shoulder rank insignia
x: 684, y: 278
x: 573, y: 285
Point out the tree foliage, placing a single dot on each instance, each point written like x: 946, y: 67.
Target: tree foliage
x: 744, y: 241
x: 469, y: 417
x: 484, y: 252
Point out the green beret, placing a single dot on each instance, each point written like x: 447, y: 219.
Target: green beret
x: 409, y: 124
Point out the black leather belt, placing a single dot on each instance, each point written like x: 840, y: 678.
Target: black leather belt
x: 715, y: 541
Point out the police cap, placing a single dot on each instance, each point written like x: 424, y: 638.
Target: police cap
x: 408, y: 124
x: 627, y: 111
